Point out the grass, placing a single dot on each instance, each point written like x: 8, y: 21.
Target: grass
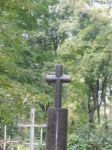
x: 20, y: 147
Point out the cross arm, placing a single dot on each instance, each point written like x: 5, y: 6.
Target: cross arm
x: 35, y: 125
x: 41, y: 125
x: 50, y: 78
x: 65, y: 78
x: 24, y: 125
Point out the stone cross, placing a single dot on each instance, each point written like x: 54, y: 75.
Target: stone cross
x: 57, y: 117
x: 58, y: 79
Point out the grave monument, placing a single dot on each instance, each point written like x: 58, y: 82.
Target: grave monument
x: 57, y: 116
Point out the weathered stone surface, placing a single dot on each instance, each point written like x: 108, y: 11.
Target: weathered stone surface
x: 57, y: 129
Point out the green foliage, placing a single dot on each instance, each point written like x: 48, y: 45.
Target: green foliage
x: 39, y: 147
x: 88, y: 56
x: 34, y: 36
x: 90, y: 139
x: 22, y: 60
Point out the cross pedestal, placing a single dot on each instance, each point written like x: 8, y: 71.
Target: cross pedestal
x: 57, y: 116
x: 57, y: 129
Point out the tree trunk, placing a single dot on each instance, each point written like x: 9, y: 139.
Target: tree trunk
x: 98, y: 114
x: 91, y: 117
x: 91, y: 110
x: 105, y: 113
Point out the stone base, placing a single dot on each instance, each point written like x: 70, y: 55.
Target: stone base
x: 57, y: 129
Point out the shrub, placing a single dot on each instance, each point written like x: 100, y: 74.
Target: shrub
x: 91, y: 139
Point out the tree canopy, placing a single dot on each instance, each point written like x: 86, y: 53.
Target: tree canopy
x: 37, y: 34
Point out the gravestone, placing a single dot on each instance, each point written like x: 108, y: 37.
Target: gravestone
x: 57, y: 116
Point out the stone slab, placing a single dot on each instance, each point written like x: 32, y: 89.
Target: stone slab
x: 57, y: 129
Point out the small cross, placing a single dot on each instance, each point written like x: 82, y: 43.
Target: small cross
x: 58, y: 79
x: 32, y: 126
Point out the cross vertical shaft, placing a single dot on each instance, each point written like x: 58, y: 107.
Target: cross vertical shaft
x: 58, y: 86
x: 32, y: 120
x: 5, y: 137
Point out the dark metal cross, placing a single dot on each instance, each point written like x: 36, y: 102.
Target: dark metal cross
x: 58, y: 79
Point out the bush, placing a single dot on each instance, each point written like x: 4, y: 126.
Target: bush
x: 91, y: 139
